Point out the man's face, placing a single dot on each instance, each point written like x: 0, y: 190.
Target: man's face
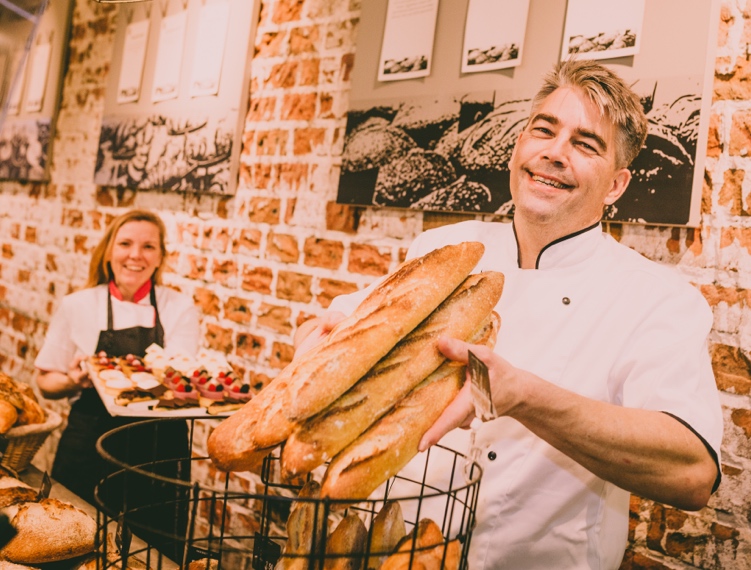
x: 563, y: 169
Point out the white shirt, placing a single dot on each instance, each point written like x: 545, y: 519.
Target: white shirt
x: 75, y: 326
x: 598, y: 319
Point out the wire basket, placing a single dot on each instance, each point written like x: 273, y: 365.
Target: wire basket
x: 20, y: 444
x: 151, y: 510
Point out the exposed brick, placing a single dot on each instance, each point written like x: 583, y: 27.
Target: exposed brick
x: 30, y: 235
x: 264, y: 210
x: 286, y: 11
x: 714, y: 147
x: 309, y: 71
x: 293, y: 176
x: 294, y: 286
x: 283, y: 248
x: 656, y: 528
x: 218, y: 338
x: 303, y: 39
x: 281, y: 355
x: 257, y: 279
x: 726, y: 21
x: 271, y: 143
x: 250, y: 346
x: 332, y: 288
x: 238, y: 310
x: 50, y: 263
x: 736, y: 84
x: 275, y: 318
x: 323, y: 253
x: 342, y: 217
x: 269, y: 44
x: 198, y: 264
x: 283, y: 75
x: 732, y: 369
x: 248, y: 241
x: 367, y: 260
x: 206, y: 301
x: 307, y: 140
x: 224, y: 271
x: 24, y: 275
x: 742, y: 418
x: 730, y: 193
x: 299, y: 107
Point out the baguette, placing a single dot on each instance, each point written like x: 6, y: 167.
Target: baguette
x: 306, y: 529
x: 386, y: 531
x: 382, y: 451
x: 425, y: 549
x: 416, y: 356
x: 315, y: 380
x: 345, y: 547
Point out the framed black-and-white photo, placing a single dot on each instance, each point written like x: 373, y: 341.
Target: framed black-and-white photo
x: 177, y: 96
x: 442, y: 143
x: 33, y: 47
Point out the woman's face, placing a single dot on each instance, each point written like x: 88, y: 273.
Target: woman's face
x: 135, y: 256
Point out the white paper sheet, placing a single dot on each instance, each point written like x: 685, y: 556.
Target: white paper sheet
x: 602, y: 29
x: 17, y: 80
x: 134, y: 55
x: 209, y: 49
x: 40, y: 63
x: 169, y: 57
x: 408, y: 37
x: 494, y: 34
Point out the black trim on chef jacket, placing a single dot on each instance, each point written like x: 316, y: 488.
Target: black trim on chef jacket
x: 712, y: 452
x: 552, y: 243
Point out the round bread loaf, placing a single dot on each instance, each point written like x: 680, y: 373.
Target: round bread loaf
x: 48, y: 531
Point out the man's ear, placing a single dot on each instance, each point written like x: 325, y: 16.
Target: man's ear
x: 620, y: 183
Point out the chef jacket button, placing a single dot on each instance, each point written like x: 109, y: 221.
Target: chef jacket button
x: 492, y: 455
x: 566, y: 301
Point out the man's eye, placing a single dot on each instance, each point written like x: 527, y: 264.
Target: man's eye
x: 587, y: 147
x: 543, y: 130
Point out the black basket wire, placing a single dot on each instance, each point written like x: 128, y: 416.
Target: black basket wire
x: 151, y: 509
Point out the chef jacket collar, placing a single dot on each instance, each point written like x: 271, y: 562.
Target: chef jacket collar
x: 567, y: 250
x: 142, y: 293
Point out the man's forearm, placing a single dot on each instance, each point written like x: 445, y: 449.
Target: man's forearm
x: 646, y: 452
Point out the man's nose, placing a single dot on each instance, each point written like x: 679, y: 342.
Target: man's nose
x: 557, y: 150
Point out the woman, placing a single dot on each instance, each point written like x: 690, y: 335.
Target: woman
x: 122, y: 310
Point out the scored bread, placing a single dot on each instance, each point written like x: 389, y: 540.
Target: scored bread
x: 318, y: 377
x: 386, y: 532
x: 48, y: 531
x: 392, y: 441
x: 389, y: 444
x: 306, y: 529
x: 425, y: 548
x: 321, y: 437
x: 345, y: 546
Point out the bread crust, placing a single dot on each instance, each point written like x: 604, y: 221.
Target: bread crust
x: 315, y: 380
x: 386, y: 531
x: 345, y: 546
x: 48, y: 531
x: 321, y: 437
x: 389, y: 444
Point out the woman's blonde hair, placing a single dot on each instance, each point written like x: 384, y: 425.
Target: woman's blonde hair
x: 100, y: 271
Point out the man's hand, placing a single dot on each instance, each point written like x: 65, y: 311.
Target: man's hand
x: 461, y: 412
x: 313, y: 331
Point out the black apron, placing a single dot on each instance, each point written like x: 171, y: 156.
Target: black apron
x: 79, y: 467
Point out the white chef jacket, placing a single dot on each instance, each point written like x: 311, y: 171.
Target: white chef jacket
x: 598, y: 319
x: 75, y: 326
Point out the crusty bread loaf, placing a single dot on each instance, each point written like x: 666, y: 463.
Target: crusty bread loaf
x: 306, y: 529
x: 5, y: 565
x: 8, y: 416
x: 345, y: 546
x: 425, y: 548
x: 15, y: 495
x: 321, y: 437
x: 390, y: 443
x: 48, y: 531
x: 318, y: 377
x: 386, y: 532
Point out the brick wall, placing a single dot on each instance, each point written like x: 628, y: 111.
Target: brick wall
x: 263, y: 261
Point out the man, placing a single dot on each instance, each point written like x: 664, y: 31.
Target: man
x: 601, y: 376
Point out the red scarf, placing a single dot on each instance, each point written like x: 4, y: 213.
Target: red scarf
x: 140, y: 294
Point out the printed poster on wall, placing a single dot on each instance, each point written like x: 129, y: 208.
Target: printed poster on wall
x: 18, y: 78
x: 494, y: 34
x: 209, y: 49
x: 40, y: 63
x: 169, y: 56
x: 134, y: 52
x: 602, y: 29
x: 407, y: 49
